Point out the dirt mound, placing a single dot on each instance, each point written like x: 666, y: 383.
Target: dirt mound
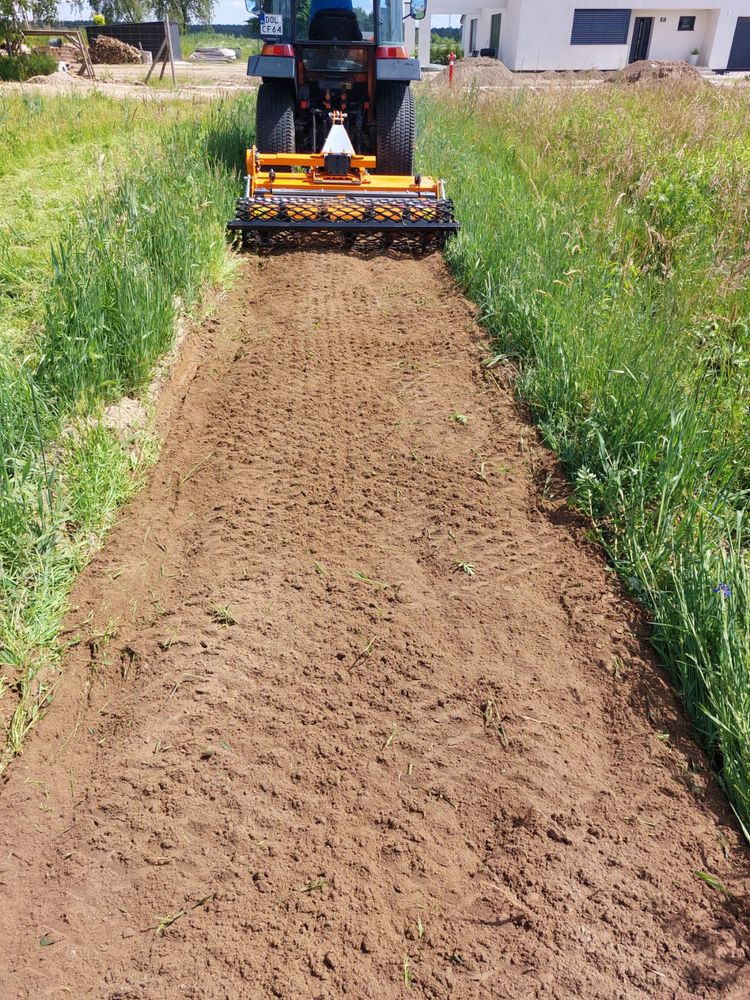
x: 569, y: 75
x: 352, y: 709
x: 479, y: 72
x: 61, y: 81
x: 650, y: 71
x: 111, y: 51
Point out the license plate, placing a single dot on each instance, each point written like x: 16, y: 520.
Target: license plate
x: 272, y: 25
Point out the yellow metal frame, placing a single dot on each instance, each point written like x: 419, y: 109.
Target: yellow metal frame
x: 316, y: 180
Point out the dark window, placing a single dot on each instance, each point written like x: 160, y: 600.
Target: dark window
x: 600, y: 27
x: 686, y: 24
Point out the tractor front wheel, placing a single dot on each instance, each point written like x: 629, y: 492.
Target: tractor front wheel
x: 274, y: 117
x: 395, y: 122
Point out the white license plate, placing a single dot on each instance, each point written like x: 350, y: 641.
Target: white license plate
x: 272, y: 24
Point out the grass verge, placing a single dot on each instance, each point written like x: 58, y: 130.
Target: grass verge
x: 87, y: 141
x: 605, y: 239
x: 130, y: 260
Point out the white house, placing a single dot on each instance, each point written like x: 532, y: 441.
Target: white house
x: 599, y: 34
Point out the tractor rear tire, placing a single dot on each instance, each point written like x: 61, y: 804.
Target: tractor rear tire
x: 274, y: 117
x: 396, y: 129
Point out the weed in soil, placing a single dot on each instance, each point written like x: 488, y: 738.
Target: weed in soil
x: 406, y: 973
x: 714, y: 883
x: 315, y: 885
x: 222, y: 615
x: 464, y: 567
x: 162, y: 923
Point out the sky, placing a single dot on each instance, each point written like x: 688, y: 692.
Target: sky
x: 233, y: 12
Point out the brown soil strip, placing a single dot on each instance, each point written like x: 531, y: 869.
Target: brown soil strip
x: 388, y: 778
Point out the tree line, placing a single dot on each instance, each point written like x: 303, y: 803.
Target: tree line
x: 17, y: 14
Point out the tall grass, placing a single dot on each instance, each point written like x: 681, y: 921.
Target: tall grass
x: 606, y: 239
x: 87, y: 142
x: 128, y: 261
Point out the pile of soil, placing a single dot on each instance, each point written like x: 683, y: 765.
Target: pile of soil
x: 570, y: 75
x: 479, y: 72
x: 61, y: 81
x: 112, y: 52
x: 649, y: 71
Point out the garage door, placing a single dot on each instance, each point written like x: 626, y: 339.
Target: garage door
x: 739, y: 57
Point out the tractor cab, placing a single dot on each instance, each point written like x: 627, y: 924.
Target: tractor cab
x: 344, y: 56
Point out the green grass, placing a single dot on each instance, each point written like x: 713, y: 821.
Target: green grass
x: 52, y: 150
x: 441, y: 48
x: 605, y: 239
x: 19, y: 68
x: 123, y: 262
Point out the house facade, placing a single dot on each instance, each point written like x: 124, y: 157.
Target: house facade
x: 596, y: 34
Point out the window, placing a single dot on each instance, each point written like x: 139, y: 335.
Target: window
x: 321, y: 21
x: 686, y: 24
x: 495, y: 23
x: 391, y: 22
x: 600, y: 27
x: 473, y: 34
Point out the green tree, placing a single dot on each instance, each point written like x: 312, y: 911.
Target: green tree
x: 441, y: 48
x: 119, y: 11
x: 15, y: 15
x: 185, y: 12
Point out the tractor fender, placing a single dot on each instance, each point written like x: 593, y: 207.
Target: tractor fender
x: 398, y: 70
x: 271, y: 67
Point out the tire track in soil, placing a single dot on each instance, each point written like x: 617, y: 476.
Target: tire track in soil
x: 477, y: 756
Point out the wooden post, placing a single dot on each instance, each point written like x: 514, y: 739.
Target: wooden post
x: 169, y: 50
x: 86, y: 64
x: 159, y: 55
x: 166, y: 56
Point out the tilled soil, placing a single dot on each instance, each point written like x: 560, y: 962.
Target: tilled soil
x: 300, y: 752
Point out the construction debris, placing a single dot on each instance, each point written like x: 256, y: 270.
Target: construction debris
x: 213, y: 54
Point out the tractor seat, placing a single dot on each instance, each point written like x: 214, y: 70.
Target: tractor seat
x: 335, y: 25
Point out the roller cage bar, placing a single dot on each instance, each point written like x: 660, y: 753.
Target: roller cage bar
x: 328, y: 214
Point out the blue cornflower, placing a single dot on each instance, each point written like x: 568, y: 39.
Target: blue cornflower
x: 724, y: 589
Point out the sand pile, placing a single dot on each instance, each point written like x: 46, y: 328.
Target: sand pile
x: 649, y: 71
x: 479, y: 72
x: 61, y: 81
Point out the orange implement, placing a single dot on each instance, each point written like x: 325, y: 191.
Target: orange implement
x: 329, y: 191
